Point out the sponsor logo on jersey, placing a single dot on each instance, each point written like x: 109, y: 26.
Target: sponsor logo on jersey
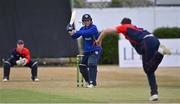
x: 88, y: 38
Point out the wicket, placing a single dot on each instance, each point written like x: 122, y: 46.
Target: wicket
x: 80, y: 79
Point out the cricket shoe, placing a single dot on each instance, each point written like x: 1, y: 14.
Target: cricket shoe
x: 90, y: 86
x: 153, y: 97
x: 35, y: 80
x: 5, y: 79
x: 165, y: 50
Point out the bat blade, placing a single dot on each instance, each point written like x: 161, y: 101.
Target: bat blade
x: 73, y: 17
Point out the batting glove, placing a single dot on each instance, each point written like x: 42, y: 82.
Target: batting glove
x: 69, y: 28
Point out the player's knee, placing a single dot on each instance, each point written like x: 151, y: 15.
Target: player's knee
x: 93, y: 67
x: 34, y: 65
x: 6, y: 64
x: 148, y: 69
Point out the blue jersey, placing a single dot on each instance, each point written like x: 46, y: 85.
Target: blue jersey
x: 89, y: 35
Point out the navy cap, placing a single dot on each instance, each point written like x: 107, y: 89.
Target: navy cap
x: 20, y: 42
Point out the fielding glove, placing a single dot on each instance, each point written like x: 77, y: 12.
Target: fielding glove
x: 21, y: 61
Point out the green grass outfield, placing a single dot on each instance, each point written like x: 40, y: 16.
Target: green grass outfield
x: 123, y: 90
x: 82, y: 95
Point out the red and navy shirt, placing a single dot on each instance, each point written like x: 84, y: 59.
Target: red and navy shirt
x: 134, y: 34
x: 15, y: 54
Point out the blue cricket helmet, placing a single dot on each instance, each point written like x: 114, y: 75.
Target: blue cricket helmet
x: 86, y: 17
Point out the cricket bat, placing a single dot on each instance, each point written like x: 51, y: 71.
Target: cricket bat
x: 73, y: 17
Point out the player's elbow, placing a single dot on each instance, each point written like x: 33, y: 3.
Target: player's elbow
x: 110, y: 30
x: 105, y: 32
x: 74, y: 37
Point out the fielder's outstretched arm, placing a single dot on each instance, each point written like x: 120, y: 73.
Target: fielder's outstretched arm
x: 104, y: 33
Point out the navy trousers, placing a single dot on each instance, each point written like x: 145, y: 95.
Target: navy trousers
x: 11, y: 62
x: 151, y: 59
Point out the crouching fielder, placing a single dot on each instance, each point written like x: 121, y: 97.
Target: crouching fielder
x: 88, y: 65
x: 20, y: 56
x: 147, y: 45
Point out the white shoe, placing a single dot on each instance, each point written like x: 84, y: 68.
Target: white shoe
x: 165, y: 50
x: 5, y: 79
x: 153, y: 97
x: 36, y: 80
x: 90, y: 86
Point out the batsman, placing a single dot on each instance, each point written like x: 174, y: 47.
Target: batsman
x: 88, y: 64
x: 20, y: 56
